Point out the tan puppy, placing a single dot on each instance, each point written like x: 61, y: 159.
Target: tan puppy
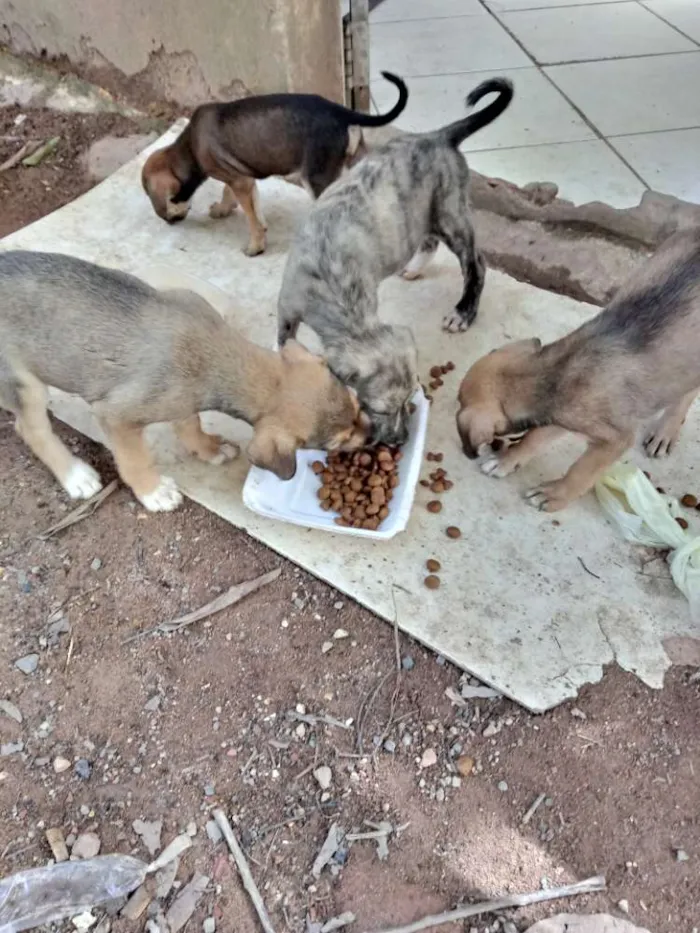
x: 141, y: 356
x: 637, y: 359
x: 303, y: 138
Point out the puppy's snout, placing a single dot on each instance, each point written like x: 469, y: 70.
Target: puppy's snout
x: 390, y: 429
x: 463, y: 430
x: 174, y: 219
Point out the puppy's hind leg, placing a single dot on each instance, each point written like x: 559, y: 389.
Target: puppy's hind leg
x: 422, y: 259
x: 460, y: 240
x: 663, y: 437
x: 30, y: 400
x: 135, y: 465
x: 208, y: 447
x: 226, y: 206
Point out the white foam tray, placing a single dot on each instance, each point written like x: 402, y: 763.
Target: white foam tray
x: 296, y: 500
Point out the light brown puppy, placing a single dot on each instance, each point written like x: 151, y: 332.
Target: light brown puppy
x: 303, y: 138
x: 141, y: 356
x: 637, y: 359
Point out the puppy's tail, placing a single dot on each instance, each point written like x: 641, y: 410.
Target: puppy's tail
x: 457, y: 132
x: 365, y: 119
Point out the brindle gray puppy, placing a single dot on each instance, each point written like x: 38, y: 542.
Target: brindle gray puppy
x: 403, y: 197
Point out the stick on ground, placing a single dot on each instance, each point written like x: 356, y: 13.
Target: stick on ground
x: 233, y: 595
x: 245, y: 873
x: 589, y: 886
x: 82, y: 511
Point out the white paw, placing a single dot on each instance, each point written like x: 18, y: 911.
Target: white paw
x: 82, y: 482
x: 659, y: 445
x: 164, y: 498
x: 226, y: 452
x: 453, y: 323
x: 492, y: 466
x: 537, y: 498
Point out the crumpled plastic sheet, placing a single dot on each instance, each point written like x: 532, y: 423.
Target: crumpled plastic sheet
x: 579, y: 923
x: 647, y: 517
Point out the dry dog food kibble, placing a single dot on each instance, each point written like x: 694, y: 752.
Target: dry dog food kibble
x: 682, y: 522
x: 358, y: 485
x: 689, y: 501
x: 432, y: 565
x: 453, y: 532
x: 434, y: 506
x: 432, y: 582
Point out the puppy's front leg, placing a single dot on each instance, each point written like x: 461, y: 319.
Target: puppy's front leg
x: 208, y: 447
x: 135, y: 465
x: 581, y: 477
x: 512, y: 458
x: 246, y: 191
x: 664, y: 436
x: 422, y: 259
x: 226, y: 206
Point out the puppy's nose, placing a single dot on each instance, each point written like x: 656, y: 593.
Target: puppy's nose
x: 176, y: 219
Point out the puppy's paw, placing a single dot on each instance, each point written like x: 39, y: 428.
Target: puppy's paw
x: 660, y: 443
x: 164, y: 498
x: 497, y: 466
x: 224, y: 452
x: 254, y: 249
x: 547, y: 498
x: 219, y: 210
x: 454, y: 323
x: 411, y: 274
x: 82, y: 482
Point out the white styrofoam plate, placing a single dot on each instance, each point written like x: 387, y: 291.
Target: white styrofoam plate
x: 296, y: 500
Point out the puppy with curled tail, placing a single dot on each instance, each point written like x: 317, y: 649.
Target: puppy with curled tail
x: 139, y: 356
x: 303, y: 138
x: 634, y: 365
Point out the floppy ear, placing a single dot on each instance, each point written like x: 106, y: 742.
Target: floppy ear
x: 274, y: 449
x: 294, y: 352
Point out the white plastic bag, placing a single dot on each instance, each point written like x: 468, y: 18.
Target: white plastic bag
x: 645, y: 516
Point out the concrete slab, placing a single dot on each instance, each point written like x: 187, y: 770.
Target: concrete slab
x: 516, y: 608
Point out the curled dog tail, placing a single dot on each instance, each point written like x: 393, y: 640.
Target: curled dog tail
x: 365, y: 119
x: 457, y: 132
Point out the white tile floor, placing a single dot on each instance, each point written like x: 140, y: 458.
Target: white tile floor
x: 607, y: 92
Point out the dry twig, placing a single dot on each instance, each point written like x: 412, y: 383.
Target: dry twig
x: 589, y: 886
x: 84, y: 510
x: 233, y: 595
x: 27, y: 149
x: 245, y: 873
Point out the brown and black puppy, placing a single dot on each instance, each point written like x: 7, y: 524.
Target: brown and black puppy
x: 301, y: 137
x: 139, y: 356
x: 637, y: 359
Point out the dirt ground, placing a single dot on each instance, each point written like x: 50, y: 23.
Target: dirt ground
x: 226, y: 713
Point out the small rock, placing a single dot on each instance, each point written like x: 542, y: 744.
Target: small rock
x: 96, y: 564
x: 340, y: 633
x: 149, y: 831
x: 682, y: 855
x: 456, y: 781
x: 11, y: 748
x: 10, y: 710
x: 83, y: 768
x: 502, y: 786
x: 624, y: 906
x: 390, y: 746
x: 300, y: 731
x: 84, y: 921
x: 153, y: 705
x: 440, y: 794
x: 429, y: 758
x: 60, y: 765
x: 440, y: 660
x: 324, y: 776
x: 578, y: 713
x: 338, y: 605
x: 493, y: 728
x: 87, y: 845
x: 326, y: 647
x: 213, y: 832
x: 465, y: 765
x: 209, y: 790
x: 28, y: 664
x: 407, y: 662
x: 509, y: 927
x: 209, y: 925
x: 191, y: 829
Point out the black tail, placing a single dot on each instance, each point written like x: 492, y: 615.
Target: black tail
x: 457, y: 132
x: 365, y: 119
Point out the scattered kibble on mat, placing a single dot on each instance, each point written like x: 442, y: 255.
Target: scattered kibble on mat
x: 432, y: 582
x: 689, y: 501
x: 453, y: 532
x: 432, y: 565
x: 434, y: 506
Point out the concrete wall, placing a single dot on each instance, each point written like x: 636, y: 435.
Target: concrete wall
x: 190, y: 50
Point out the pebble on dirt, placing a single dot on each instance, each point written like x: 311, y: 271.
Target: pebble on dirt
x: 149, y: 831
x: 28, y: 664
x: 60, y: 764
x: 83, y: 768
x: 407, y: 663
x: 87, y: 845
x: 10, y: 710
x: 465, y: 765
x: 324, y: 777
x: 429, y: 758
x: 213, y: 832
